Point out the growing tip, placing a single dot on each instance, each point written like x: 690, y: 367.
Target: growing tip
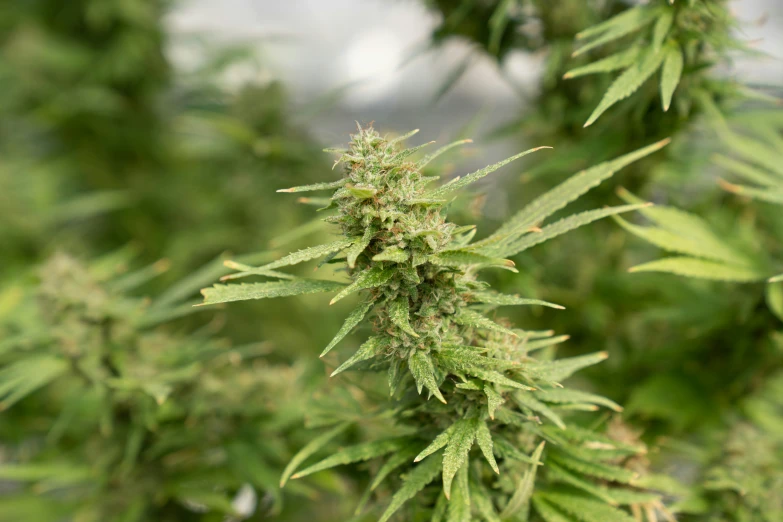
x: 661, y: 144
x: 567, y: 76
x: 603, y: 355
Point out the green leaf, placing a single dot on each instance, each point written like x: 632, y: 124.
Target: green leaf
x: 548, y: 512
x: 483, y: 504
x: 414, y: 482
x: 564, y: 396
x: 243, y: 292
x: 561, y: 369
x: 670, y: 75
x: 368, y: 350
x: 361, y: 192
x: 394, y: 254
x: 428, y: 158
x: 308, y: 253
x: 310, y: 449
x: 20, y: 379
x: 484, y: 439
x: 456, y: 452
x: 402, y: 137
x: 395, y: 461
x: 370, y: 278
x: 770, y: 195
x: 494, y: 400
x: 557, y: 473
x: 353, y: 319
x: 520, y: 500
x: 595, y: 469
x: 746, y: 171
x: 495, y: 298
x: 399, y: 313
x: 358, y: 247
x: 662, y: 27
x: 611, y: 63
x: 701, y: 268
x: 706, y: 246
x: 627, y: 83
x: 496, y: 377
x: 585, y: 509
x: 463, y: 258
x: 526, y: 400
x: 317, y: 186
x: 615, y: 28
x: 423, y: 373
x: 459, y: 505
x: 459, y: 182
x: 439, y: 442
x: 468, y: 317
x: 565, y: 225
x: 529, y: 346
x: 560, y: 196
x: 356, y: 453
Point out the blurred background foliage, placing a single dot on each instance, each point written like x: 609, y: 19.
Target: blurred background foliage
x: 126, y: 179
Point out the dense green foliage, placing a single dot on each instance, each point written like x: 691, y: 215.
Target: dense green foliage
x: 455, y: 395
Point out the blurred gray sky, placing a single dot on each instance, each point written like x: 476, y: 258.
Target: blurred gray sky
x: 320, y: 45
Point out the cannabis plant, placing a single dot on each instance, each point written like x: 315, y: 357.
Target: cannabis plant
x: 106, y: 416
x: 434, y: 330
